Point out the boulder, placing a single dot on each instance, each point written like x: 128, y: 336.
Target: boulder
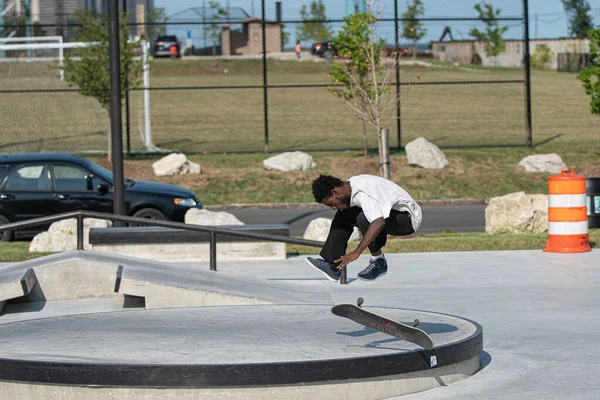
x: 425, y: 154
x: 175, y: 164
x: 318, y: 229
x: 517, y: 213
x: 205, y: 217
x: 62, y: 235
x: 290, y: 161
x: 550, y: 163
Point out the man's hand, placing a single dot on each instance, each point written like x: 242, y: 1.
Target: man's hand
x: 347, y: 259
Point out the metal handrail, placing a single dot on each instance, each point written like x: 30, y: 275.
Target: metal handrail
x: 212, y: 230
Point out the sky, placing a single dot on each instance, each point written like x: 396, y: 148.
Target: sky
x: 547, y: 17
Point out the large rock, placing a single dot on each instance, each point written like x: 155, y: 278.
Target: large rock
x: 205, y: 217
x: 550, y: 163
x: 516, y: 213
x: 175, y: 164
x: 62, y: 235
x: 291, y: 161
x: 318, y: 229
x: 425, y: 154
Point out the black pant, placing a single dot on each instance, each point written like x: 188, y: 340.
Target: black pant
x: 342, y: 226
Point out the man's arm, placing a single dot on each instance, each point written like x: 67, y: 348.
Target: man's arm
x: 374, y: 229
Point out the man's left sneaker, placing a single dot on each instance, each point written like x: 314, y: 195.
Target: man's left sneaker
x: 323, y: 266
x: 374, y: 270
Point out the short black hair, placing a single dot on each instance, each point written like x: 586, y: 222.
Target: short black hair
x: 324, y: 185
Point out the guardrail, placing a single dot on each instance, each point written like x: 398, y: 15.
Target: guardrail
x: 212, y: 230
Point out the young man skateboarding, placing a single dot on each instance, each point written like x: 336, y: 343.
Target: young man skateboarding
x: 377, y: 206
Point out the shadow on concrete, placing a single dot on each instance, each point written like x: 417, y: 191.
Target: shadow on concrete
x: 427, y: 327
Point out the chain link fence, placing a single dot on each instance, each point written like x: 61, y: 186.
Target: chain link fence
x: 224, y: 95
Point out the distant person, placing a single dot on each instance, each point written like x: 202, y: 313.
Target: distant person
x: 298, y: 50
x: 377, y: 206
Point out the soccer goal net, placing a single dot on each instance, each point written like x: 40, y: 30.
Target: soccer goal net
x: 42, y: 111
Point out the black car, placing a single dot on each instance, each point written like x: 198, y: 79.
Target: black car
x: 163, y: 44
x: 39, y: 184
x: 324, y: 49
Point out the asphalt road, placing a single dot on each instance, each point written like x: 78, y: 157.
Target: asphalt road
x: 468, y: 218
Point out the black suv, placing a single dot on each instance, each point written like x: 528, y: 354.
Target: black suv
x: 324, y: 49
x: 163, y: 44
x: 39, y: 184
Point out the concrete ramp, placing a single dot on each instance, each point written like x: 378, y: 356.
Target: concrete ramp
x: 87, y: 274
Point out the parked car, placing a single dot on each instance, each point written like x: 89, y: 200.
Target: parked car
x: 38, y: 184
x: 162, y: 46
x: 324, y: 49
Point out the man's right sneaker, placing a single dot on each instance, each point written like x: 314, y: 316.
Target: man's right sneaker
x: 323, y: 266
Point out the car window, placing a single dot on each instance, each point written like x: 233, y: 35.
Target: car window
x: 29, y: 177
x: 72, y: 178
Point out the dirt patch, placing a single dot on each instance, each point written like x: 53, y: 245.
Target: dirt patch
x: 588, y: 169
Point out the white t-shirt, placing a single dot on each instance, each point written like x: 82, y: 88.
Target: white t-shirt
x: 378, y: 196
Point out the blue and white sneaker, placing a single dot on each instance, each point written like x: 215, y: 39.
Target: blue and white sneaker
x: 374, y: 270
x: 323, y: 266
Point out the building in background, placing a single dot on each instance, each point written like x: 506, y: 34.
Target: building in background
x: 248, y: 39
x: 54, y: 16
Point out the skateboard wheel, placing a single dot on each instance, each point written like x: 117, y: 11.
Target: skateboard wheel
x: 360, y: 301
x: 416, y: 323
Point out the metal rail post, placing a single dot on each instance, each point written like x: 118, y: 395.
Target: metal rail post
x: 213, y: 251
x: 79, y: 232
x: 528, y: 124
x: 265, y: 84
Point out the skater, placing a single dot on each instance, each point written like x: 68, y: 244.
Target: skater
x: 377, y: 206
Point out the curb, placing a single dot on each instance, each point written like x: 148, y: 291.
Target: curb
x: 425, y: 203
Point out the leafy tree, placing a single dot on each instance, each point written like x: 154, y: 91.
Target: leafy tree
x: 285, y: 38
x: 412, y: 28
x: 492, y: 35
x: 578, y: 15
x: 590, y: 76
x: 310, y: 29
x: 364, y: 77
x: 156, y: 15
x: 541, y: 57
x: 87, y: 68
x: 214, y: 29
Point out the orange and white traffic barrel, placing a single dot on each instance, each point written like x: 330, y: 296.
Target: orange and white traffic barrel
x: 567, y: 214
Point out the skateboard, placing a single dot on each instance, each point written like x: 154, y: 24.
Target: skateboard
x: 382, y: 324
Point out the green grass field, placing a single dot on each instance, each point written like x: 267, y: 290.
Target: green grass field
x: 228, y: 120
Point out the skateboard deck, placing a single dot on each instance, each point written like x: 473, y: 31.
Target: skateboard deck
x: 383, y: 324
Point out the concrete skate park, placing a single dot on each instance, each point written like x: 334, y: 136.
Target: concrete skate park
x: 90, y: 324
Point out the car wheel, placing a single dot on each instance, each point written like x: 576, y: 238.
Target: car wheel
x: 328, y: 55
x: 5, y: 236
x: 150, y: 213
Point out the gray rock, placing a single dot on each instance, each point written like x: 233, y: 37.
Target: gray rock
x: 318, y: 229
x: 517, y: 213
x: 425, y: 154
x: 550, y: 163
x: 175, y: 164
x: 62, y: 235
x: 290, y: 161
x: 205, y: 217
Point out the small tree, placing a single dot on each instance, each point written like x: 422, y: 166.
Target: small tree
x: 578, y: 16
x: 214, y: 29
x: 87, y: 68
x: 412, y: 28
x: 492, y: 36
x: 366, y: 77
x: 312, y: 27
x: 156, y: 19
x: 590, y: 76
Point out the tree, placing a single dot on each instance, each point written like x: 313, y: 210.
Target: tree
x: 312, y: 28
x: 87, y: 68
x: 214, y: 29
x: 590, y: 76
x: 412, y: 28
x: 578, y: 16
x: 156, y: 20
x: 365, y: 77
x: 492, y: 36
